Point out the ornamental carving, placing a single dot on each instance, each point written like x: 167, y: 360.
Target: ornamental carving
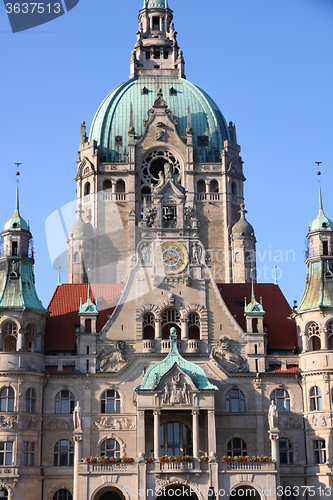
x: 114, y: 423
x: 31, y: 422
x: 225, y: 351
x: 8, y: 422
x: 176, y: 390
x: 111, y: 357
x: 58, y: 424
x: 320, y: 420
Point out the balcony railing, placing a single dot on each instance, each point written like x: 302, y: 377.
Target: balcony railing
x: 208, y: 196
x: 114, y: 196
x: 148, y: 345
x: 146, y: 198
x: 10, y: 471
x: 249, y: 466
x: 117, y: 468
x: 179, y: 466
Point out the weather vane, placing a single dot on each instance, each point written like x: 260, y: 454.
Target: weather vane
x: 17, y: 166
x: 318, y: 163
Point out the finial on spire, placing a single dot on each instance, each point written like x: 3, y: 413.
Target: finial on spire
x: 319, y: 181
x: 59, y: 276
x: 275, y: 275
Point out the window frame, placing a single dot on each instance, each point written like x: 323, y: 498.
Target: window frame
x: 288, y: 450
x: 28, y: 454
x: 59, y: 402
x: 183, y: 446
x: 286, y: 408
x: 57, y: 496
x: 30, y: 400
x: 240, y: 398
x: 233, y: 448
x: 8, y: 399
x: 315, y: 399
x: 112, y: 451
x: 6, y: 453
x: 319, y: 452
x: 107, y: 399
x: 60, y: 452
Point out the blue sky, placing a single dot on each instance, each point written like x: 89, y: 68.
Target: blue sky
x: 267, y: 64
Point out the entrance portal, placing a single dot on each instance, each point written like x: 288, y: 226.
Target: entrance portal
x: 244, y: 492
x: 179, y: 491
x: 110, y: 495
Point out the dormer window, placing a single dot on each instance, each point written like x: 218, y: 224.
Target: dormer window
x: 156, y: 23
x: 172, y: 91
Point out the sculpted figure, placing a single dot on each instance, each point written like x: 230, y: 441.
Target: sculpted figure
x: 77, y: 417
x: 273, y: 416
x: 166, y: 394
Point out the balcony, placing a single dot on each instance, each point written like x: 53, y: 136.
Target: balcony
x: 208, y: 196
x: 114, y: 197
x: 9, y: 472
x: 248, y: 466
x: 178, y: 467
x: 148, y: 345
x: 117, y: 468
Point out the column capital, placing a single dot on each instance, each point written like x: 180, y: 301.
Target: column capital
x: 157, y: 412
x: 195, y: 412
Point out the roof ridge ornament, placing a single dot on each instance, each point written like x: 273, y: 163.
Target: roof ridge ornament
x: 160, y: 102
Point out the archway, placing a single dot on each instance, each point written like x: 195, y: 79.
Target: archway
x: 109, y: 493
x: 244, y: 491
x: 178, y: 491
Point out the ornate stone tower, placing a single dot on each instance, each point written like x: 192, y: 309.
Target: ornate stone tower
x: 158, y: 118
x: 314, y: 318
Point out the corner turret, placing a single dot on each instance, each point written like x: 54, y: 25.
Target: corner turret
x: 243, y: 245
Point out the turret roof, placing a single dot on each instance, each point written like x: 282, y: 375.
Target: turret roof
x: 16, y: 223
x: 321, y: 222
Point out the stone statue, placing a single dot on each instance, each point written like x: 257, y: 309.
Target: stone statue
x: 195, y: 253
x: 77, y: 417
x: 146, y: 253
x: 273, y: 416
x: 166, y: 394
x: 159, y: 185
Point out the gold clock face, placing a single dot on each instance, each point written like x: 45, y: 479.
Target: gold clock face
x: 171, y: 257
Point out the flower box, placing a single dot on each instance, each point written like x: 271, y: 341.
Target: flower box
x: 204, y: 459
x: 176, y: 458
x: 247, y: 459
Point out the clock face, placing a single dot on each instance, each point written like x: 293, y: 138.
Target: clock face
x: 171, y: 257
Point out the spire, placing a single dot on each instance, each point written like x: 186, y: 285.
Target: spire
x: 275, y: 277
x: 59, y: 276
x: 88, y: 307
x: 253, y: 306
x: 321, y: 222
x: 16, y: 222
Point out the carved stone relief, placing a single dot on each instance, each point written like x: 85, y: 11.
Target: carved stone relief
x: 29, y: 422
x: 321, y: 420
x: 111, y: 358
x: 58, y: 424
x: 8, y: 422
x: 114, y: 423
x: 175, y: 390
x: 226, y: 351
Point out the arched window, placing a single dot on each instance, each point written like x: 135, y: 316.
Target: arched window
x: 235, y: 401
x: 120, y: 186
x: 63, y: 454
x: 7, y: 399
x: 110, y: 448
x: 76, y: 257
x: 107, y: 184
x: 282, y: 400
x: 214, y: 186
x: 314, y: 336
x: 10, y: 336
x: 6, y: 452
x: 148, y: 326
x: 63, y: 495
x: 315, y: 399
x: 170, y: 318
x: 87, y: 188
x: 330, y: 335
x: 64, y: 402
x: 286, y: 452
x: 234, y: 188
x: 194, y: 326
x: 110, y: 402
x: 201, y: 186
x: 237, y: 447
x: 175, y: 439
x: 30, y: 400
x: 319, y: 451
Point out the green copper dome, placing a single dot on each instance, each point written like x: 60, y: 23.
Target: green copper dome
x: 163, y: 4
x: 16, y: 223
x: 154, y: 374
x: 111, y: 122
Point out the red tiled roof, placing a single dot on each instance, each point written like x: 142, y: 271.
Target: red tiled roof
x: 281, y: 331
x: 60, y: 333
x: 290, y: 368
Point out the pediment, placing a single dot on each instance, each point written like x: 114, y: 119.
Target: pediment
x: 170, y: 190
x: 176, y: 387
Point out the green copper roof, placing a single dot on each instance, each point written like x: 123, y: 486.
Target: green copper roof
x: 113, y: 116
x: 17, y: 288
x: 253, y: 306
x: 319, y: 286
x: 88, y: 307
x: 321, y: 222
x: 154, y: 374
x: 16, y: 223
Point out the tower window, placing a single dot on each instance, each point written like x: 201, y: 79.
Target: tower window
x: 234, y: 188
x: 157, y: 54
x: 166, y: 54
x: 156, y: 23
x: 147, y: 57
x: 325, y: 247
x: 14, y: 247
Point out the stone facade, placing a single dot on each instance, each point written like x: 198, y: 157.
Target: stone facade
x: 157, y: 345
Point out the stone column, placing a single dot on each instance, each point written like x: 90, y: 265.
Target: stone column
x: 324, y: 338
x: 305, y: 343
x: 20, y: 340
x: 78, y: 434
x: 157, y: 414
x: 141, y: 433
x: 1, y: 340
x: 195, y: 432
x: 184, y: 329
x: 158, y: 329
x: 274, y: 436
x: 211, y: 434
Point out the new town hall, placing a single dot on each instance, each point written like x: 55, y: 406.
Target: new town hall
x: 162, y: 354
